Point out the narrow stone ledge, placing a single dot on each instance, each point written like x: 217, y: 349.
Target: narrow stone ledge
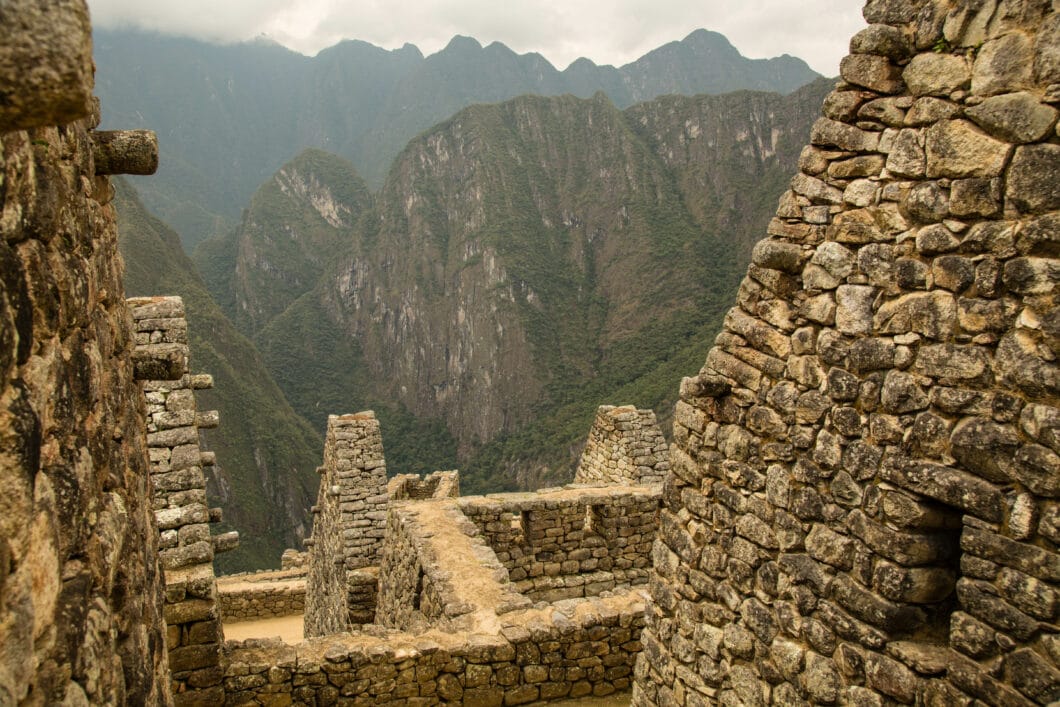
x: 125, y: 152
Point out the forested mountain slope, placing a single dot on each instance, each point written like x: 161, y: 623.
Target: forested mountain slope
x: 266, y: 453
x: 523, y: 263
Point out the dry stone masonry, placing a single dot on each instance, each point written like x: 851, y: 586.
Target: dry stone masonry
x: 193, y: 624
x: 451, y: 626
x: 564, y: 545
x: 438, y: 484
x: 625, y: 446
x: 349, y: 520
x: 80, y: 587
x: 863, y: 506
x: 261, y: 595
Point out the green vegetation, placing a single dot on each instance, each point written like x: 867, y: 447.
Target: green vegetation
x: 266, y: 453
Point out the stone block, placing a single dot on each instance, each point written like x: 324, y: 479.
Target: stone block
x: 1034, y: 676
x: 891, y: 678
x: 1014, y: 117
x: 831, y: 133
x: 913, y: 585
x: 958, y: 148
x: 977, y: 599
x: 1032, y: 179
x: 45, y: 63
x: 874, y: 72
x: 1004, y: 65
x: 936, y: 74
x: 881, y: 40
x: 125, y: 152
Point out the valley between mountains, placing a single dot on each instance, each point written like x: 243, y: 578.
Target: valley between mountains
x: 516, y: 265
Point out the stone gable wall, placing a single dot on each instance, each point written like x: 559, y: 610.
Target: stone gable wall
x: 349, y: 520
x: 625, y: 446
x: 193, y: 623
x: 862, y: 507
x: 80, y: 585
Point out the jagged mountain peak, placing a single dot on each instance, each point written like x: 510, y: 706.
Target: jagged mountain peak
x: 232, y: 115
x: 462, y: 42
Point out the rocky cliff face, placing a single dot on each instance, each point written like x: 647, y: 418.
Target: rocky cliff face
x: 862, y: 507
x: 727, y: 153
x: 293, y: 227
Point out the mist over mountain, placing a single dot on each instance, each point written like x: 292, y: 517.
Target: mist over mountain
x: 229, y: 116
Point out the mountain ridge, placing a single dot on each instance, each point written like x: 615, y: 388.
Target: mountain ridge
x: 229, y: 115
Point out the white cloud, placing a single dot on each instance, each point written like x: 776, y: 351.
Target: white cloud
x: 614, y: 32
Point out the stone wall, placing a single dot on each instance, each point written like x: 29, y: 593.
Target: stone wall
x: 625, y: 446
x: 582, y: 649
x: 424, y: 573
x: 410, y: 487
x: 349, y: 520
x: 862, y: 505
x: 261, y: 595
x: 362, y: 595
x: 80, y: 591
x: 193, y: 624
x: 293, y: 559
x: 452, y: 629
x: 569, y: 543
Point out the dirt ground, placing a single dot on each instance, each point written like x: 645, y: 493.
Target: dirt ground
x: 288, y: 628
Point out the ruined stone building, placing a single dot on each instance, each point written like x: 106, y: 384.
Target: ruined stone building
x: 860, y: 505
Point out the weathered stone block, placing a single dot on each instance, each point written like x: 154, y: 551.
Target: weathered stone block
x: 125, y: 152
x: 905, y: 548
x: 975, y: 197
x: 831, y: 133
x: 891, y: 678
x: 45, y: 63
x: 932, y: 74
x: 1032, y: 179
x: 957, y: 148
x: 1004, y: 65
x: 1015, y: 117
x: 978, y: 600
x: 874, y: 72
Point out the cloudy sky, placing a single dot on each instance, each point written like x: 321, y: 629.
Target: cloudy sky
x: 606, y: 31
